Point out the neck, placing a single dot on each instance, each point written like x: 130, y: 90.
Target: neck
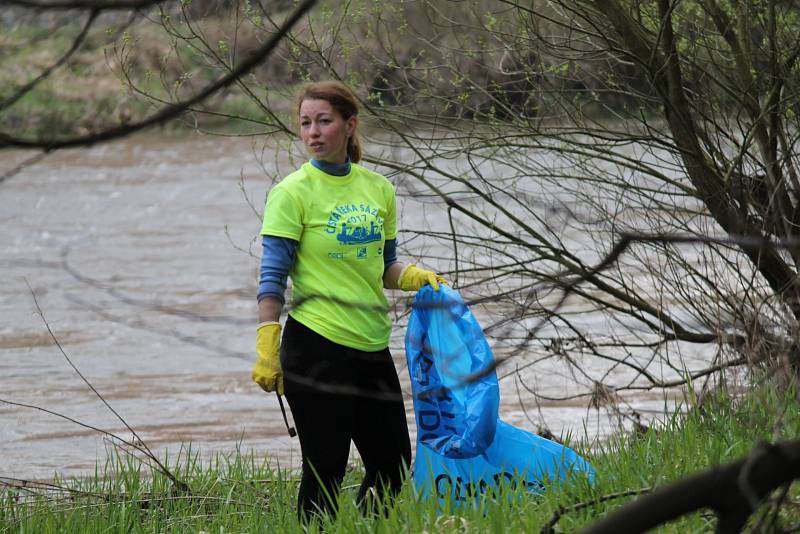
x: 334, y: 169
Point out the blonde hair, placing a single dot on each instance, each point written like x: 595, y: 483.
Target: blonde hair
x: 342, y: 99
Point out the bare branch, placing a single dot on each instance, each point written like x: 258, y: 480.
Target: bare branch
x: 36, y: 158
x: 169, y: 112
x: 180, y: 484
x: 95, y: 5
x: 549, y: 528
x: 732, y: 491
x: 76, y: 43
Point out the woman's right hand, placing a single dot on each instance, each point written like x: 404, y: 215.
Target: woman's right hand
x: 267, y: 369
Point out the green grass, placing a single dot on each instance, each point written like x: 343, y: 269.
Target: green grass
x: 243, y: 493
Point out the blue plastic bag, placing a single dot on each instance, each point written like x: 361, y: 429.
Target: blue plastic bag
x: 463, y: 449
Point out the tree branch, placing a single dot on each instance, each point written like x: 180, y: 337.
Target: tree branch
x: 733, y: 491
x: 169, y: 112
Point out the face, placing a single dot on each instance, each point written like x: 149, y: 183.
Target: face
x: 324, y: 131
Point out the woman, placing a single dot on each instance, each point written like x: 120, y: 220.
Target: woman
x: 331, y: 226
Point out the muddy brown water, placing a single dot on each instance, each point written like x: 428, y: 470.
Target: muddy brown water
x: 142, y: 256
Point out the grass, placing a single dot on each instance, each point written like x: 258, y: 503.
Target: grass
x: 245, y: 493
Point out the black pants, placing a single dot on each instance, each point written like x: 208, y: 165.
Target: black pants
x: 338, y: 394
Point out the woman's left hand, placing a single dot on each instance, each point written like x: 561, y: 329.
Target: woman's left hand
x: 412, y: 278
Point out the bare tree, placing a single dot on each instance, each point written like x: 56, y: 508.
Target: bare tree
x: 530, y: 138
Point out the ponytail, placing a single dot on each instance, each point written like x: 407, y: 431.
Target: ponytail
x: 354, y: 147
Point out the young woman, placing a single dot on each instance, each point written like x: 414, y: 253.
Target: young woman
x: 331, y: 226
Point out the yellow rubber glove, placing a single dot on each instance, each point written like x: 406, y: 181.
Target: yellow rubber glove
x: 267, y: 370
x: 412, y: 278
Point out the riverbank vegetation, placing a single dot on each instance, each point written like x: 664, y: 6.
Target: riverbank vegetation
x: 242, y: 492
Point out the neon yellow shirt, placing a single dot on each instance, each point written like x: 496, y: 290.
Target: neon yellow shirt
x: 341, y: 223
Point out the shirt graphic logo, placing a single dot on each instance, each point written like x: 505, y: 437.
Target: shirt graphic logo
x: 362, y: 253
x: 351, y: 235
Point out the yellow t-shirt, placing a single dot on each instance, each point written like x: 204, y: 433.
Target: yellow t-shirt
x: 341, y: 223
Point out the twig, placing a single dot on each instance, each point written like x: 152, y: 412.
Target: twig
x: 180, y: 484
x: 98, y: 5
x: 170, y: 111
x: 720, y: 488
x: 24, y: 89
x: 71, y: 420
x: 562, y: 510
x: 36, y: 158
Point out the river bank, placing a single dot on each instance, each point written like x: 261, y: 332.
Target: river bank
x: 239, y: 492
